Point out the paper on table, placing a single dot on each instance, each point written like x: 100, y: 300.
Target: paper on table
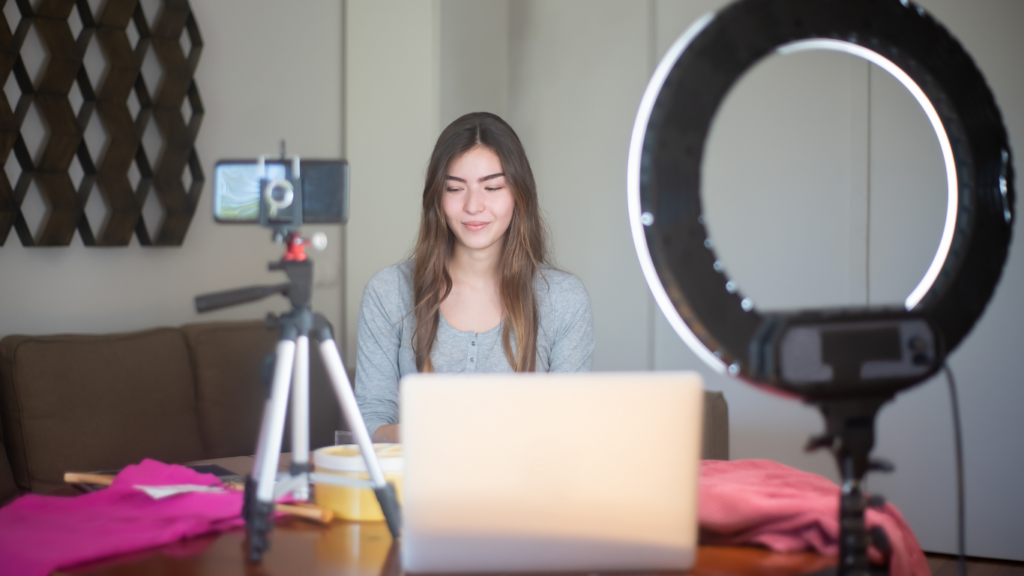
x: 158, y: 492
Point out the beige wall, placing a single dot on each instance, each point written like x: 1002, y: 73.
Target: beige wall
x: 474, y: 57
x: 255, y: 93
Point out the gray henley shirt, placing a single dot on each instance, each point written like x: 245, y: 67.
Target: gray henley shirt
x: 565, y: 338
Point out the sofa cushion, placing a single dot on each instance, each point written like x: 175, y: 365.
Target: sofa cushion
x: 227, y: 362
x: 86, y: 402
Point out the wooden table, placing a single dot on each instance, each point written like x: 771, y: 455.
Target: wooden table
x: 365, y: 549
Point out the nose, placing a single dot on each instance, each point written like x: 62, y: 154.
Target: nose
x: 474, y: 201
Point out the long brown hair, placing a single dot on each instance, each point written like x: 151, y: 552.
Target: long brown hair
x: 524, y: 248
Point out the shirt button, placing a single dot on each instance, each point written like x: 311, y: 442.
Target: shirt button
x: 472, y: 359
x: 473, y: 343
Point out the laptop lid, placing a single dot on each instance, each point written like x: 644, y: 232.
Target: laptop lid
x: 550, y: 472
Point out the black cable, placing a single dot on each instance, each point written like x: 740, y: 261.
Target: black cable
x: 959, y: 468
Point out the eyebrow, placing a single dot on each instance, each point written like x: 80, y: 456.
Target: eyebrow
x: 484, y: 179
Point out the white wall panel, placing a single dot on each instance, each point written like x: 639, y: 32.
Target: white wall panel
x: 392, y: 112
x: 578, y: 70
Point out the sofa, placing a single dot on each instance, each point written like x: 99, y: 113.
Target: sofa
x: 98, y: 402
x: 196, y: 392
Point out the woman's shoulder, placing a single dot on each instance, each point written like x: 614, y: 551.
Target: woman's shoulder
x: 394, y: 274
x: 559, y: 288
x: 392, y: 281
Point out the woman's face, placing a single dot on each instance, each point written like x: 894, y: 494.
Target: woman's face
x: 477, y: 202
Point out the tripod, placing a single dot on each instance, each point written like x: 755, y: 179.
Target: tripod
x: 291, y: 373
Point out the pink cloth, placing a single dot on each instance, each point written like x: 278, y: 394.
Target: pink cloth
x: 39, y: 534
x: 768, y: 504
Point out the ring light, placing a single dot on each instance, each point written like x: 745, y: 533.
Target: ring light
x: 847, y: 361
x: 708, y: 310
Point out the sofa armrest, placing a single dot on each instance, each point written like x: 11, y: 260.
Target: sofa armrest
x: 716, y: 427
x: 8, y: 489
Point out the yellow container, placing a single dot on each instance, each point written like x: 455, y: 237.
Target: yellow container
x: 348, y: 502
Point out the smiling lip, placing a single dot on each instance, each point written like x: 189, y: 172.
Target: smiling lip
x: 475, y: 226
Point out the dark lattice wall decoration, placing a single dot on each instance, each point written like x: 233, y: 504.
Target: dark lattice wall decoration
x: 98, y: 121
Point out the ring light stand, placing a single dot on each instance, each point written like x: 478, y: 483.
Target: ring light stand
x: 849, y: 361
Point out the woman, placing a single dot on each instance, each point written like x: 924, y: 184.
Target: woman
x: 477, y: 296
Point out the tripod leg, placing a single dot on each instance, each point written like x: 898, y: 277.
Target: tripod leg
x: 261, y: 443
x: 269, y: 451
x: 350, y: 409
x: 300, y: 417
x: 249, y: 503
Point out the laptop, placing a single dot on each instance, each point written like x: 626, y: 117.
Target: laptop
x: 550, y: 472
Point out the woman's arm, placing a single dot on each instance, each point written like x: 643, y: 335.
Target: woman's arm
x: 392, y: 431
x: 378, y: 342
x: 572, y: 347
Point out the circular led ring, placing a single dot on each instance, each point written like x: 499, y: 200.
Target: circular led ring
x: 676, y: 254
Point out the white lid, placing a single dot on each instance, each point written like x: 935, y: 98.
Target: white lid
x: 348, y: 458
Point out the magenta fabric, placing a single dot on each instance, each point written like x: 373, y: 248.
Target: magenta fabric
x: 768, y: 504
x: 40, y: 534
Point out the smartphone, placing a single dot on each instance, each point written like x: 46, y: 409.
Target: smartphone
x: 236, y: 190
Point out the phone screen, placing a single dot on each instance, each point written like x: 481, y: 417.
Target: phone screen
x: 237, y: 190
